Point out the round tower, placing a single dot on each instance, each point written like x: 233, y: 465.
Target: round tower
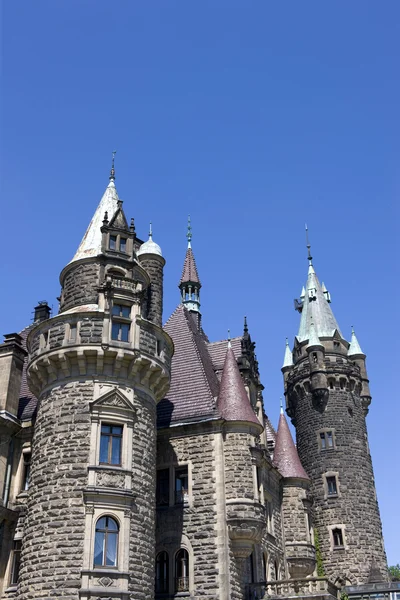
x: 151, y: 259
x: 327, y: 398
x: 98, y: 369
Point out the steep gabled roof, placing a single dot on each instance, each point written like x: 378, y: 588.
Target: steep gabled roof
x: 286, y: 458
x: 189, y: 271
x: 233, y: 402
x: 194, y: 385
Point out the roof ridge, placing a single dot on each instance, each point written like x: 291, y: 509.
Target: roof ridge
x: 238, y: 337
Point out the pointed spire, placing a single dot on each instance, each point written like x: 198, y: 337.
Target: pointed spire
x: 91, y: 242
x: 112, y: 171
x: 303, y: 293
x: 189, y: 233
x: 315, y: 306
x: 286, y: 458
x: 150, y: 232
x: 245, y: 328
x: 313, y: 339
x: 233, y: 403
x: 229, y: 339
x: 281, y: 411
x: 288, y: 358
x: 355, y: 347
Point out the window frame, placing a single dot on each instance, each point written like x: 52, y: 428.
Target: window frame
x: 334, y: 534
x: 111, y: 436
x: 120, y: 320
x: 15, y: 562
x: 186, y: 576
x: 107, y: 533
x: 327, y: 476
x: 323, y: 439
x: 164, y: 587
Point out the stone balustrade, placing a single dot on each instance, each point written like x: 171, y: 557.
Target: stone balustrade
x: 319, y: 587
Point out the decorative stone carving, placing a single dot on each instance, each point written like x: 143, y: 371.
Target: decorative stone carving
x: 244, y: 533
x: 110, y: 479
x: 105, y: 581
x: 301, y: 559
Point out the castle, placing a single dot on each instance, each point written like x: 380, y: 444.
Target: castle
x: 137, y: 461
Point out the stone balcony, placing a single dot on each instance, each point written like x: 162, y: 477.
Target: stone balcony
x: 246, y: 525
x: 301, y: 559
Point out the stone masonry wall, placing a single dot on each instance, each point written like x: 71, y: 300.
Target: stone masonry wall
x: 142, y: 527
x: 197, y: 520
x: 356, y: 505
x: 80, y: 285
x: 155, y: 268
x: 54, y: 527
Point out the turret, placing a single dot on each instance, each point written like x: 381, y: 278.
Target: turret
x: 98, y: 369
x: 151, y: 259
x: 12, y: 356
x: 327, y: 398
x: 296, y: 503
x: 189, y: 284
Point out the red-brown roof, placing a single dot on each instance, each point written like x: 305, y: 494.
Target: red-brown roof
x: 286, y: 458
x: 233, y: 403
x: 189, y: 272
x: 217, y: 351
x: 194, y: 385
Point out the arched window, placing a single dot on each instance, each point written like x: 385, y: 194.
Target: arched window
x: 106, y: 542
x: 182, y: 571
x: 162, y: 568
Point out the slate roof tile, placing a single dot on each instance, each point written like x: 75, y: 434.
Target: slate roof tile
x: 286, y: 458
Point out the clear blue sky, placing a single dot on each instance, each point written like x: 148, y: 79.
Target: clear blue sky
x: 254, y: 117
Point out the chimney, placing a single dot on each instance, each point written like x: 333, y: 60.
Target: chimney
x: 42, y: 311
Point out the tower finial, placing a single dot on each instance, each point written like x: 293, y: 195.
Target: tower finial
x: 229, y: 339
x: 112, y: 172
x: 281, y: 403
x: 245, y: 328
x: 189, y: 233
x: 308, y: 246
x: 150, y: 231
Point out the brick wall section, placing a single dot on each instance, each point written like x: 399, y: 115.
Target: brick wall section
x: 155, y: 268
x: 147, y: 341
x: 80, y: 285
x: 293, y: 513
x: 238, y: 466
x: 199, y: 521
x: 91, y: 330
x: 54, y: 527
x: 142, y: 528
x: 357, y: 506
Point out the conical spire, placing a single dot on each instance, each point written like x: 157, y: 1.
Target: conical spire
x: 288, y: 358
x: 286, y: 458
x: 316, y: 307
x: 313, y: 339
x: 190, y: 282
x: 355, y: 347
x: 91, y: 241
x: 233, y: 403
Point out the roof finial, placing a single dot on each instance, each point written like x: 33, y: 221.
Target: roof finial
x: 229, y: 339
x: 245, y: 328
x: 112, y: 172
x: 189, y: 233
x: 308, y: 246
x: 150, y: 232
x: 281, y: 403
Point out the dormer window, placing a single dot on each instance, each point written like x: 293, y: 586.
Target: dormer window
x: 122, y: 245
x: 113, y: 242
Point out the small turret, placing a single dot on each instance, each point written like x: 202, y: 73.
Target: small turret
x: 151, y: 259
x: 357, y: 355
x: 190, y: 282
x: 319, y: 382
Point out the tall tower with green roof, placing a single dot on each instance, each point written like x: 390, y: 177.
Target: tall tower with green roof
x: 327, y: 397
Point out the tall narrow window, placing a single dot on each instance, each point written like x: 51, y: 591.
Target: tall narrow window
x: 26, y: 470
x: 162, y: 492
x: 113, y: 242
x: 106, y: 542
x: 182, y: 571
x: 122, y: 244
x: 181, y: 485
x: 162, y: 572
x: 337, y: 535
x: 72, y: 333
x: 110, y: 444
x: 326, y: 440
x: 121, y: 322
x: 331, y: 485
x: 15, y: 562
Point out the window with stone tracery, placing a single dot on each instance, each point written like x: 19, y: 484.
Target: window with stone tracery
x: 106, y: 542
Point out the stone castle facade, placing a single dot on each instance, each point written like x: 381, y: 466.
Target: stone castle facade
x: 137, y: 461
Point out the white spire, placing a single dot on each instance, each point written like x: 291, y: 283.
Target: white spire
x: 288, y: 358
x: 355, y: 347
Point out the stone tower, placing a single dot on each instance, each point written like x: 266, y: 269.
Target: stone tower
x: 98, y: 369
x: 327, y: 398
